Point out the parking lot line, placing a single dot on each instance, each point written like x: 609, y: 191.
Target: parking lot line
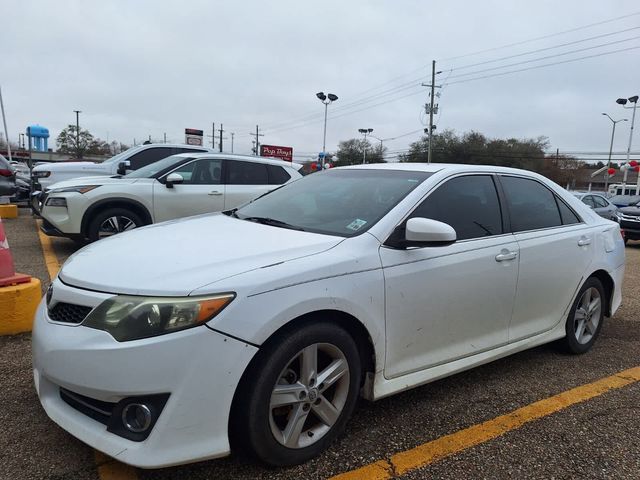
x: 108, y: 468
x: 50, y: 259
x: 436, y: 450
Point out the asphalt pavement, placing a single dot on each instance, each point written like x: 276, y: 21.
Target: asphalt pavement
x: 598, y: 438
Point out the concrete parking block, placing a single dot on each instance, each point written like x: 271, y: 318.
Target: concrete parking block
x: 8, y: 211
x: 18, y: 305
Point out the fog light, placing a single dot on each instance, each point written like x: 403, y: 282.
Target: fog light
x: 136, y: 417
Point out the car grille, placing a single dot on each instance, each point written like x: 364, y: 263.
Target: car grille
x: 96, y: 409
x: 69, y: 313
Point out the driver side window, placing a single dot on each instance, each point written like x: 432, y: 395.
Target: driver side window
x: 469, y: 204
x: 201, y: 172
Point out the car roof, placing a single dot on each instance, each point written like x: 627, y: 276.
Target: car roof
x: 437, y: 167
x: 236, y: 156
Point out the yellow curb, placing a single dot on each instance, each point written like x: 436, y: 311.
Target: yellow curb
x: 8, y: 211
x: 18, y: 304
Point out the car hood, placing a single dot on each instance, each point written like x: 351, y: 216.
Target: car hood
x: 180, y: 256
x: 630, y: 211
x: 100, y: 180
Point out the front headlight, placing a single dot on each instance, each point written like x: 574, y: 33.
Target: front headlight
x: 131, y: 318
x: 43, y: 174
x: 78, y: 189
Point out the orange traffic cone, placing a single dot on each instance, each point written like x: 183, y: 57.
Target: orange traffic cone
x: 8, y: 275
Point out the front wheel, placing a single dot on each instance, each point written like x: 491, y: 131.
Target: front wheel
x: 586, y: 317
x: 299, y: 394
x: 111, y: 222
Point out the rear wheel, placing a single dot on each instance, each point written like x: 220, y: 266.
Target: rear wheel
x: 300, y: 393
x: 112, y: 221
x: 586, y: 317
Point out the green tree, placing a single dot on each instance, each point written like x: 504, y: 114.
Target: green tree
x: 84, y: 144
x: 351, y: 152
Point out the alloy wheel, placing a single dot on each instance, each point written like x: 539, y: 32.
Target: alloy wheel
x: 115, y: 224
x: 309, y: 395
x: 587, y: 315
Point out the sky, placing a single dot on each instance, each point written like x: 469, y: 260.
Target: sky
x: 149, y: 68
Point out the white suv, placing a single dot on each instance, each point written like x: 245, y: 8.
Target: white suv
x: 182, y: 185
x: 45, y: 175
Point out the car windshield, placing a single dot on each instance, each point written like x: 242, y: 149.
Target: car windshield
x: 155, y: 167
x: 335, y: 202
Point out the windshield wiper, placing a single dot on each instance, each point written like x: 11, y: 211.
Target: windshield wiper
x: 231, y: 213
x: 272, y: 222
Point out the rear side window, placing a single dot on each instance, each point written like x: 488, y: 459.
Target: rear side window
x: 531, y: 205
x: 149, y: 156
x: 600, y: 202
x: 588, y: 200
x: 277, y: 175
x: 247, y: 173
x: 469, y: 204
x: 567, y: 215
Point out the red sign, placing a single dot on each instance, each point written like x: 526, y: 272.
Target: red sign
x: 283, y: 153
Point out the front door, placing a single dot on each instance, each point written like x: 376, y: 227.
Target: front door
x: 201, y: 192
x: 446, y: 303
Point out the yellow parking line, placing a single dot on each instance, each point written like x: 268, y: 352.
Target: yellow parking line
x: 436, y: 450
x: 108, y: 468
x: 50, y: 259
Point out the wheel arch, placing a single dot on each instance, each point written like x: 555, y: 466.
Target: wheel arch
x: 608, y: 285
x: 351, y: 324
x: 118, y: 202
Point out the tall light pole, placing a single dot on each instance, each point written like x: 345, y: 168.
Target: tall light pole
x: 4, y: 121
x: 326, y: 100
x: 613, y: 132
x: 623, y: 102
x: 78, y: 152
x: 365, y: 132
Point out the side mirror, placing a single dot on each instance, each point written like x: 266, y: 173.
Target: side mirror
x: 122, y: 167
x: 173, y: 179
x: 428, y: 232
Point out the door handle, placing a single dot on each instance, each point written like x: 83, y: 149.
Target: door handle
x: 584, y: 241
x: 215, y: 192
x: 506, y: 255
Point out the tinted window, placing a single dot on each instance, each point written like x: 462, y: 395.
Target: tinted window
x: 600, y: 202
x: 148, y: 156
x: 246, y: 173
x: 567, y: 215
x: 469, y: 204
x: 201, y: 172
x: 277, y: 175
x: 531, y: 205
x: 588, y: 200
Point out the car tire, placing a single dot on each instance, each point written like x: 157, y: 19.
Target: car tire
x: 281, y: 390
x: 585, y: 317
x: 112, y: 221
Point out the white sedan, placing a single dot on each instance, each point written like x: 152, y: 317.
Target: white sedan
x: 91, y: 208
x: 261, y: 326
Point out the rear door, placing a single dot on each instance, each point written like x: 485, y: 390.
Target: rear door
x: 201, y: 192
x: 245, y: 181
x: 556, y: 249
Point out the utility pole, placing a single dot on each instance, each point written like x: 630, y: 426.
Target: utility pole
x: 213, y: 136
x: 431, y: 105
x: 78, y: 151
x: 165, y: 137
x: 232, y: 135
x: 257, y: 135
x: 4, y: 120
x: 221, y: 130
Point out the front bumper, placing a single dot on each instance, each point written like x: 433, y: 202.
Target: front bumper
x: 198, y: 368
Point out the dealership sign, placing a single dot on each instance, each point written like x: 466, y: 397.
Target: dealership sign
x: 283, y: 153
x: 193, y: 136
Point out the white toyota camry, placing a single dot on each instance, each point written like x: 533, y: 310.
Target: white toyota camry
x: 260, y: 326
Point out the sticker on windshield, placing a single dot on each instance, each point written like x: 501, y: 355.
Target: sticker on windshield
x: 356, y: 225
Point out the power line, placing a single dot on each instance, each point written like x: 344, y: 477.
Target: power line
x: 545, y: 65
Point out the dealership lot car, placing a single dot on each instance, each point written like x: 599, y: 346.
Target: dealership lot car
x: 174, y: 187
x: 599, y: 204
x: 275, y: 316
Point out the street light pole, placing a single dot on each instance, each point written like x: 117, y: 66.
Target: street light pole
x: 623, y: 102
x: 326, y: 100
x: 365, y: 132
x: 613, y: 132
x: 78, y: 153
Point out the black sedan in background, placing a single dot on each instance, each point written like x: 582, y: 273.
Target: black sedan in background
x: 629, y: 219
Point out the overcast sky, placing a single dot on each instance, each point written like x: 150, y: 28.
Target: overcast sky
x: 147, y: 68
